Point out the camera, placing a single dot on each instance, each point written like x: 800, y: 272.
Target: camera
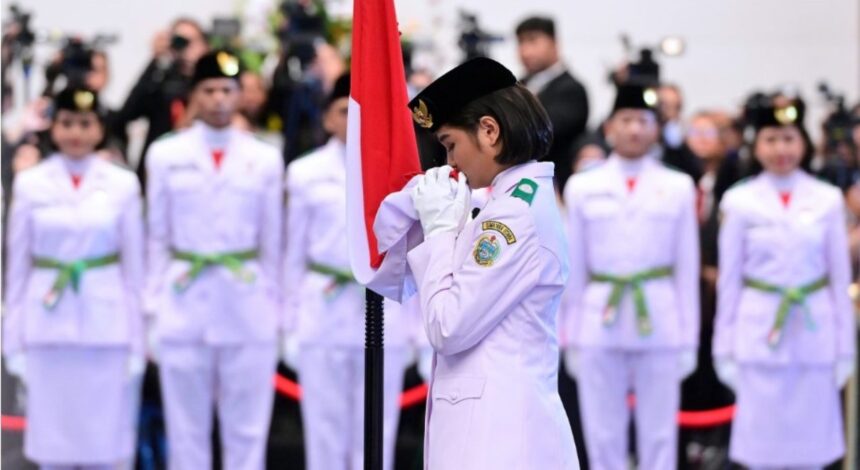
x: 474, y: 41
x: 644, y: 70
x: 839, y: 124
x: 75, y: 60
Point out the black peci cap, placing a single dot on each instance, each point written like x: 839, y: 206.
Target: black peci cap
x: 340, y: 90
x: 631, y: 96
x: 79, y: 100
x: 776, y: 111
x: 450, y: 93
x: 216, y: 64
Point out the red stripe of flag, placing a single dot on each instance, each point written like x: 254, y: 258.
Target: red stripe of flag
x: 389, y: 154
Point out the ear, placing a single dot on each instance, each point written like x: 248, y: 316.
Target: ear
x: 609, y: 131
x: 489, y: 130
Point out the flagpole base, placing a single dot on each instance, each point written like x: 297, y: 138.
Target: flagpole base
x: 374, y: 362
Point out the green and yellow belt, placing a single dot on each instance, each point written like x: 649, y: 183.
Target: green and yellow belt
x: 340, y: 278
x: 791, y: 297
x: 633, y: 283
x: 69, y: 274
x: 234, y: 262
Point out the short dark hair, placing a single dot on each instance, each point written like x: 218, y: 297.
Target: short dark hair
x: 524, y: 126
x: 190, y: 22
x: 539, y: 24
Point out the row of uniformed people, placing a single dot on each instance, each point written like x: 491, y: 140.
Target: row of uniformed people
x: 629, y: 319
x: 490, y: 285
x: 79, y: 301
x: 785, y: 333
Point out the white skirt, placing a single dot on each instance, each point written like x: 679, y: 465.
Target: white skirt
x: 787, y: 416
x: 81, y: 405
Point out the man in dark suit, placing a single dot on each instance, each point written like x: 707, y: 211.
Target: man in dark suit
x: 563, y: 96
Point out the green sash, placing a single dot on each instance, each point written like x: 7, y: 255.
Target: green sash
x: 233, y: 261
x: 791, y: 297
x: 69, y: 273
x: 620, y: 285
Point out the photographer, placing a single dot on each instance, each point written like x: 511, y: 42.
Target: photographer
x: 161, y: 92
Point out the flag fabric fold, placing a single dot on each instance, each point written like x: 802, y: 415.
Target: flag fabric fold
x: 382, y: 155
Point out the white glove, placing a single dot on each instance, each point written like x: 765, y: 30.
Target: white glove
x: 727, y: 372
x: 151, y: 341
x: 290, y: 351
x: 844, y: 371
x: 16, y: 364
x: 571, y: 362
x: 689, y: 361
x: 136, y: 365
x: 443, y: 205
x: 425, y: 363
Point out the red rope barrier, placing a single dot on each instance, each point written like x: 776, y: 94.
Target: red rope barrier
x: 418, y: 394
x: 706, y: 418
x: 13, y: 423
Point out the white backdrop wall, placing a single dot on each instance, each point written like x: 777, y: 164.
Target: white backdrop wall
x: 733, y: 46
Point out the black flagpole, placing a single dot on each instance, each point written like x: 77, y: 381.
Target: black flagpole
x: 374, y: 360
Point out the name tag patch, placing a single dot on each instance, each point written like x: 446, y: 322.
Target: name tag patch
x: 503, y: 229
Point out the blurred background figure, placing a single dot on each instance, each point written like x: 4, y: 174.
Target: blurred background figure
x: 702, y: 390
x: 785, y: 333
x: 72, y: 329
x: 559, y: 92
x: 324, y: 307
x: 670, y: 105
x: 161, y: 93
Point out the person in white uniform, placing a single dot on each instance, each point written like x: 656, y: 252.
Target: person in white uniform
x: 324, y: 307
x: 72, y: 321
x: 784, y: 336
x: 215, y: 197
x: 632, y: 306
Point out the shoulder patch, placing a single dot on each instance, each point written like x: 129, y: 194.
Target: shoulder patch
x: 525, y: 190
x: 487, y: 250
x: 503, y: 229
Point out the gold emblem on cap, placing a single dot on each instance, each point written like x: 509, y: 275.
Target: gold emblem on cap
x: 84, y: 100
x: 228, y: 63
x: 650, y: 97
x: 786, y: 115
x: 422, y: 115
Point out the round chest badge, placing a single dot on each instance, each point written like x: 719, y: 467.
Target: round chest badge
x: 487, y: 250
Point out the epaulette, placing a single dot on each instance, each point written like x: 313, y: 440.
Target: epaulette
x: 525, y: 190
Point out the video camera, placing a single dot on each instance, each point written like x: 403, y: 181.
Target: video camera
x: 644, y: 70
x: 75, y: 59
x: 304, y: 28
x: 840, y: 123
x: 474, y: 41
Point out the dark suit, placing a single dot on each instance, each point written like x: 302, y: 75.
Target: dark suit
x: 157, y: 95
x: 566, y: 102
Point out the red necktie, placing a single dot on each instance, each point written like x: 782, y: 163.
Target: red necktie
x: 785, y: 196
x: 76, y: 181
x: 631, y: 184
x: 217, y: 157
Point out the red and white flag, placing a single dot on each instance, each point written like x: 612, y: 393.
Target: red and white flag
x: 381, y: 151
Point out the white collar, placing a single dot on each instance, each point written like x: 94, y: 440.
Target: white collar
x: 215, y: 138
x: 537, y: 82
